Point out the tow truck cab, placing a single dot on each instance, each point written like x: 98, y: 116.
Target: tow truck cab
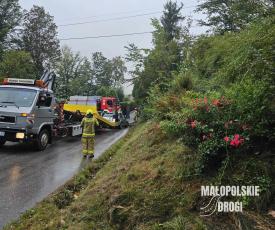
x: 26, y: 112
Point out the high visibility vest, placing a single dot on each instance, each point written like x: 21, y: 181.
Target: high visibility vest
x: 88, y: 125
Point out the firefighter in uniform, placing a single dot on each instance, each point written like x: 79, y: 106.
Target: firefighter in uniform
x: 88, y: 124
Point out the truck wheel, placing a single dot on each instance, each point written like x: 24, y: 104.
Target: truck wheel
x: 2, y: 142
x: 42, y: 140
x: 123, y: 124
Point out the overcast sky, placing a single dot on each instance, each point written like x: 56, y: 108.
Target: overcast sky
x: 101, y: 12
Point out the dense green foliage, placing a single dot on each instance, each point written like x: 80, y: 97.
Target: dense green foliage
x: 78, y: 75
x: 233, y: 57
x: 17, y: 64
x: 220, y: 100
x: 10, y: 14
x: 29, y: 38
x: 232, y: 16
x: 39, y: 37
x: 163, y: 60
x: 108, y: 72
x: 170, y: 20
x: 232, y: 94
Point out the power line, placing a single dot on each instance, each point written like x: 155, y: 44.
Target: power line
x: 110, y: 19
x: 115, y: 18
x: 113, y: 14
x: 117, y: 13
x: 106, y: 36
x: 113, y: 35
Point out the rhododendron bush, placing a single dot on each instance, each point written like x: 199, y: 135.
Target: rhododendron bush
x: 218, y: 126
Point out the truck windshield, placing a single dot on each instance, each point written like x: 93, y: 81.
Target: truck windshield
x: 17, y: 97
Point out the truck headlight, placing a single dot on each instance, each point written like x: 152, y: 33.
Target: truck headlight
x: 28, y: 115
x: 20, y: 135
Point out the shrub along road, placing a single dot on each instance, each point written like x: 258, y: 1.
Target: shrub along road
x: 26, y: 176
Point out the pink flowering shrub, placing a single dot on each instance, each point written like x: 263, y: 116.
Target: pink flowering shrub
x: 219, y: 133
x: 207, y: 124
x: 216, y: 126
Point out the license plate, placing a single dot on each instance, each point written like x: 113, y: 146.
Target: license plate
x: 2, y: 134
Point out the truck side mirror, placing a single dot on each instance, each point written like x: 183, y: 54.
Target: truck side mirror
x: 41, y: 101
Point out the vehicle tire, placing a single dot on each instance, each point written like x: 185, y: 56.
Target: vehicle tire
x: 2, y: 142
x: 123, y: 124
x: 42, y: 140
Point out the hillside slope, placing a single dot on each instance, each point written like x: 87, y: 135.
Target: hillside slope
x: 142, y: 182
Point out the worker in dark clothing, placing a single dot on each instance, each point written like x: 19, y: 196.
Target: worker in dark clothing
x: 88, y: 125
x: 124, y: 112
x: 128, y: 109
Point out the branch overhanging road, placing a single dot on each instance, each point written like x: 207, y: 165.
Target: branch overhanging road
x: 27, y: 177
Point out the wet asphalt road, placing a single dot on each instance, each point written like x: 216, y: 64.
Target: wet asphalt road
x: 26, y: 176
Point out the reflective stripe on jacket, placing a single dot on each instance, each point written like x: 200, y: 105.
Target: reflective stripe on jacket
x: 88, y: 125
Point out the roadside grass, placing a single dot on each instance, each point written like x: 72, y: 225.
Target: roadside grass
x: 145, y: 181
x: 137, y: 189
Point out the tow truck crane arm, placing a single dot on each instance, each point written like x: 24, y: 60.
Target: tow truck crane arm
x: 49, y: 79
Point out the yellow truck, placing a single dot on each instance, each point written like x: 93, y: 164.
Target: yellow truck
x: 105, y: 109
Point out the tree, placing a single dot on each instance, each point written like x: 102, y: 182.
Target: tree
x: 165, y: 57
x: 17, y: 64
x: 101, y: 69
x: 110, y: 92
x: 137, y: 57
x: 67, y: 70
x: 120, y: 93
x: 234, y: 15
x: 105, y: 91
x: 171, y: 19
x: 107, y: 72
x: 87, y: 79
x: 118, y: 71
x: 76, y: 75
x: 10, y: 14
x: 39, y: 37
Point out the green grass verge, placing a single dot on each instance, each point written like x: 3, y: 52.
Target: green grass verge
x: 144, y: 181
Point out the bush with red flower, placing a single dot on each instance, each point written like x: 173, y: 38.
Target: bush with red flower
x: 217, y: 126
x: 235, y: 142
x: 207, y: 124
